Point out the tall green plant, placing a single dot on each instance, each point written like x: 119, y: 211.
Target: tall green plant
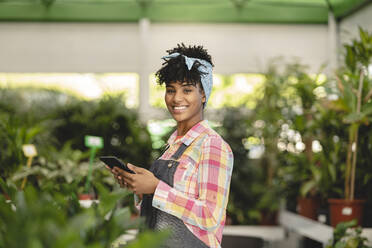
x: 246, y: 177
x: 270, y: 113
x: 316, y: 174
x: 354, y: 100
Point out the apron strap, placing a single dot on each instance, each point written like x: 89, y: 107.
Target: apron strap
x: 179, y: 151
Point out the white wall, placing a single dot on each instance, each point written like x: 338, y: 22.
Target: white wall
x: 68, y: 47
x: 349, y: 25
x: 115, y: 47
x: 245, y: 48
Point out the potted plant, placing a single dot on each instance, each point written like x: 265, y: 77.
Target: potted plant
x: 354, y: 90
x: 300, y: 168
x: 304, y: 121
x: 347, y: 237
x: 265, y: 127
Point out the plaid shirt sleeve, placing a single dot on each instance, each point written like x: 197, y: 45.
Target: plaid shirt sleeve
x: 214, y: 175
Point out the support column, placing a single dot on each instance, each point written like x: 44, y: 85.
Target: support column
x: 144, y: 90
x: 332, y: 44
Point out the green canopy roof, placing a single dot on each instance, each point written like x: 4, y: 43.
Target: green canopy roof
x: 239, y: 11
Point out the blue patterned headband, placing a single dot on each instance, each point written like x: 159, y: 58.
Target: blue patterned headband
x: 206, y: 76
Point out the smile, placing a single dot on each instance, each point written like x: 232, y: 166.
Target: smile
x: 178, y: 109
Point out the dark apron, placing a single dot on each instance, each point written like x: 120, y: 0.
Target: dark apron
x: 156, y: 219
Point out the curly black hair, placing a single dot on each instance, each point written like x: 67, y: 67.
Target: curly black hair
x: 175, y: 69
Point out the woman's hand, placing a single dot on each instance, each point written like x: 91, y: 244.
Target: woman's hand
x: 120, y: 180
x: 143, y: 182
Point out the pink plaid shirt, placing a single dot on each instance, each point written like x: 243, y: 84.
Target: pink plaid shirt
x: 201, y: 183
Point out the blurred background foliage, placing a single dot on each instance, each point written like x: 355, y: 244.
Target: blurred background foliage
x: 51, y: 218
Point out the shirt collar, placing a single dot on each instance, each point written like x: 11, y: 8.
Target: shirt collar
x: 190, y: 136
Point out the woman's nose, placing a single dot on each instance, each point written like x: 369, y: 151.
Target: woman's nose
x: 178, y: 96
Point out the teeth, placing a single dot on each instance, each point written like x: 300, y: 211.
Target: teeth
x: 179, y: 108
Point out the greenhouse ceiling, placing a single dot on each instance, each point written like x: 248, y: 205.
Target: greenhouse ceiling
x: 211, y: 11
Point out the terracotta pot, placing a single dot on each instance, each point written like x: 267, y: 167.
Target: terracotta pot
x: 269, y: 218
x: 6, y: 196
x: 308, y: 207
x: 134, y: 216
x: 345, y: 210
x: 86, y: 197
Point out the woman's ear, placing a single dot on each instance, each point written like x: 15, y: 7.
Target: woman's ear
x: 204, y: 99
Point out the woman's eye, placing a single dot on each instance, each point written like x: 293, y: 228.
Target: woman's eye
x: 187, y: 90
x: 170, y: 91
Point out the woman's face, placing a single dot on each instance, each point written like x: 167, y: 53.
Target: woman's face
x: 185, y: 102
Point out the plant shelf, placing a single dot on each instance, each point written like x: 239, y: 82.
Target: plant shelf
x: 312, y: 229
x: 267, y: 233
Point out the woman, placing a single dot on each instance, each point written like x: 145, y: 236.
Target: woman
x: 187, y: 188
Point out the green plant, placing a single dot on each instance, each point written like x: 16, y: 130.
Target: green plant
x: 344, y: 236
x: 243, y: 194
x: 51, y: 219
x: 64, y: 166
x: 271, y: 114
x: 49, y: 118
x: 304, y: 121
x: 354, y: 90
x: 269, y: 118
x: 12, y: 136
x: 262, y: 129
x: 25, y: 118
x: 124, y: 135
x: 56, y: 219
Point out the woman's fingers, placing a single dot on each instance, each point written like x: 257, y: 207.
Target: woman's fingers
x: 123, y: 178
x: 107, y: 167
x: 117, y: 171
x: 136, y: 169
x: 131, y: 181
x: 132, y: 167
x: 127, y: 176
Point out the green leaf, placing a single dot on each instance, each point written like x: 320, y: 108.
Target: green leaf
x: 350, y: 58
x: 363, y: 36
x: 108, y: 200
x: 332, y: 171
x: 31, y: 133
x: 317, y: 174
x: 150, y: 240
x: 306, y: 187
x: 354, y: 118
x: 367, y: 178
x: 367, y: 109
x: 340, y: 244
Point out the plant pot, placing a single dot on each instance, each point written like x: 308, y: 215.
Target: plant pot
x: 345, y: 210
x: 83, y: 197
x: 308, y: 207
x: 86, y: 200
x: 6, y: 196
x: 134, y: 216
x: 269, y: 218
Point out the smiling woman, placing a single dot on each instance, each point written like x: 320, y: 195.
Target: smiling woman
x: 186, y: 190
x: 184, y: 102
